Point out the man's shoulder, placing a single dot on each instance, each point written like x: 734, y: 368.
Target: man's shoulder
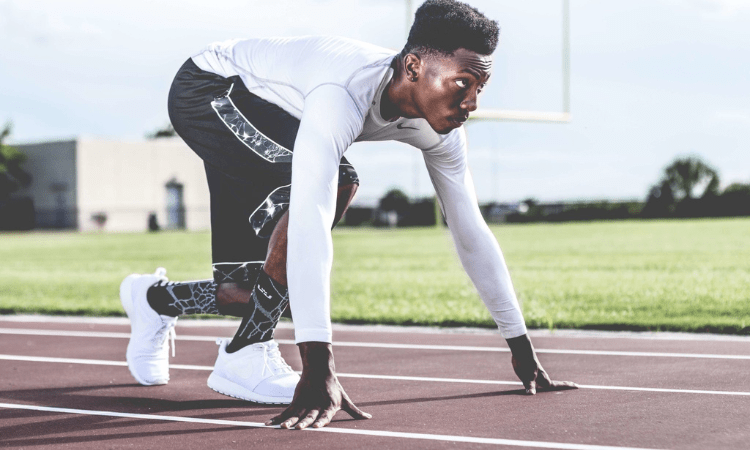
x: 360, y: 60
x: 356, y: 66
x: 350, y: 63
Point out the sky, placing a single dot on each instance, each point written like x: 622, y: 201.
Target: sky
x: 651, y: 80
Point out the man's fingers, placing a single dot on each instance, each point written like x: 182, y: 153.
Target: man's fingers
x: 543, y: 381
x: 352, y: 409
x: 530, y: 387
x: 325, y: 418
x: 293, y: 417
x: 281, y: 417
x: 288, y: 424
x: 561, y: 386
x: 307, y: 420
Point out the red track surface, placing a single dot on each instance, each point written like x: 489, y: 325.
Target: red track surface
x: 437, y: 413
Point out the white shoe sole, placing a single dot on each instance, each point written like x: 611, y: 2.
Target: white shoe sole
x: 231, y: 389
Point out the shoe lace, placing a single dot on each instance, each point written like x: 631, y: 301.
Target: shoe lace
x: 168, y: 329
x: 274, y: 360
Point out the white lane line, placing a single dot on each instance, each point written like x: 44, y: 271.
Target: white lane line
x: 462, y: 348
x: 411, y: 329
x: 330, y: 429
x: 94, y: 362
x: 518, y: 383
x: 654, y: 354
x: 91, y: 334
x: 375, y: 377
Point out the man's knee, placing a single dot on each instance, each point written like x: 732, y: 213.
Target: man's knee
x: 275, y: 265
x: 348, y: 190
x: 344, y: 199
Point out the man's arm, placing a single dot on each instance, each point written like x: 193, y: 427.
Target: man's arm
x: 482, y: 258
x: 329, y: 124
x: 477, y: 247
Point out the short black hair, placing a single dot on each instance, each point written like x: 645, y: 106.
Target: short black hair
x: 444, y: 26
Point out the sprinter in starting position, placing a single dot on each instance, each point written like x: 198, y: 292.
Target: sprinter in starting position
x: 246, y: 107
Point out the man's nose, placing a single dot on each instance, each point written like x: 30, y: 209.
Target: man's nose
x: 471, y: 102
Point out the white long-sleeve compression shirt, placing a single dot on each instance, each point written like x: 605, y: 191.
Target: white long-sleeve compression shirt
x: 334, y: 86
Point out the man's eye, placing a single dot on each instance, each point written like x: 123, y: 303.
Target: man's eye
x: 462, y: 83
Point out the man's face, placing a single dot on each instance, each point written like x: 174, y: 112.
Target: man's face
x: 448, y: 88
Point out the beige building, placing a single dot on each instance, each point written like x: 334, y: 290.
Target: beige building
x: 96, y: 184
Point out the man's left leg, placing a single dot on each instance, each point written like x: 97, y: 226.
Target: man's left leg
x: 256, y: 293
x: 237, y: 295
x: 270, y: 292
x: 161, y: 301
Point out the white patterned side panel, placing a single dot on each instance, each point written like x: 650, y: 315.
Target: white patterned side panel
x: 247, y: 133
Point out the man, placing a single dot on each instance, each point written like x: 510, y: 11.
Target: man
x: 243, y: 107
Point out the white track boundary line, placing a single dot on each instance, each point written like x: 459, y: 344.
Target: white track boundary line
x: 47, y: 359
x: 370, y: 328
x: 120, y: 335
x: 376, y: 433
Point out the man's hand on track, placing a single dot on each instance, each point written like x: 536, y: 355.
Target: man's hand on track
x: 319, y: 395
x: 530, y: 371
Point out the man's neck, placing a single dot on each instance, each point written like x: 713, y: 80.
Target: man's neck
x: 396, y: 99
x: 388, y: 110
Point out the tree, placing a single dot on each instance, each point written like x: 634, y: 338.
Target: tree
x: 392, y: 208
x: 527, y: 206
x: 735, y: 200
x: 165, y: 132
x: 394, y: 200
x: 686, y: 175
x: 739, y: 189
x: 12, y: 176
x: 660, y: 201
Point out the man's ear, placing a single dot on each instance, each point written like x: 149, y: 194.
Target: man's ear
x: 413, y: 67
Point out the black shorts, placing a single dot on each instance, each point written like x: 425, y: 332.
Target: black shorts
x: 246, y: 145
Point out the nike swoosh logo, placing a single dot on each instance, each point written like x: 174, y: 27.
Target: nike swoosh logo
x: 401, y: 127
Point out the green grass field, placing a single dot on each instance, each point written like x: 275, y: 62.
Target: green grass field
x: 690, y: 275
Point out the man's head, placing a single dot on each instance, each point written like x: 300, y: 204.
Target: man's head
x: 447, y: 60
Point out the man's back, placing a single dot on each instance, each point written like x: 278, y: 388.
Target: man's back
x: 285, y: 70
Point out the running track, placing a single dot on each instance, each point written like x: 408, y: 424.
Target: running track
x: 65, y: 385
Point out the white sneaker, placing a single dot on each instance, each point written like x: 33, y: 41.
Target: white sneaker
x: 256, y: 373
x: 148, y: 349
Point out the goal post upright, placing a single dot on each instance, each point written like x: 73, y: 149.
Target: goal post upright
x: 539, y: 116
